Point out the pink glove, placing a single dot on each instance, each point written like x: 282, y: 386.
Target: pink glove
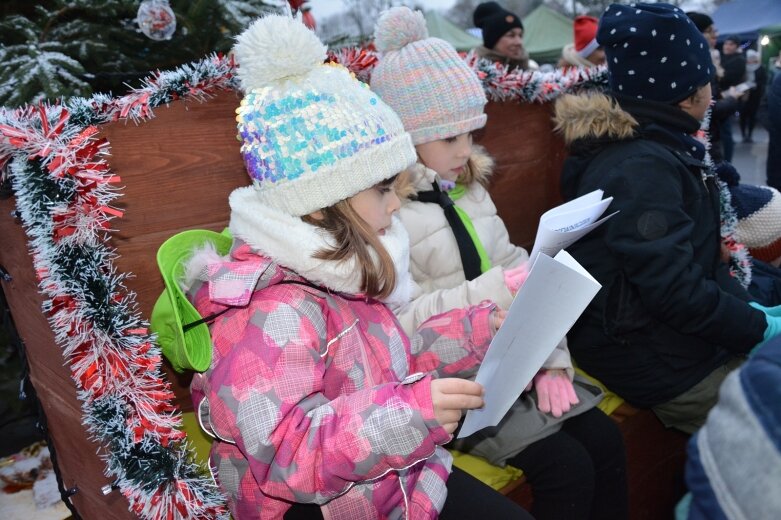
x: 514, y: 278
x: 555, y: 393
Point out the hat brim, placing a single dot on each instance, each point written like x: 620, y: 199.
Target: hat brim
x: 191, y: 349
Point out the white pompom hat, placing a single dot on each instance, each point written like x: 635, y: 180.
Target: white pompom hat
x: 311, y: 133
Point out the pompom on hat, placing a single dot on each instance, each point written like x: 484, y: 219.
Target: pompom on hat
x: 585, y: 32
x: 654, y: 52
x: 311, y: 133
x: 758, y: 209
x: 494, y: 21
x: 424, y: 79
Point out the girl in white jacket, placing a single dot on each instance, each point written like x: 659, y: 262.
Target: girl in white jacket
x: 461, y: 254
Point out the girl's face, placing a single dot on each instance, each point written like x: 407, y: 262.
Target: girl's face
x: 697, y: 105
x: 377, y: 205
x: 511, y: 44
x: 447, y: 157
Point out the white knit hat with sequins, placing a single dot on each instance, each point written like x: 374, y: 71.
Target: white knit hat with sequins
x: 311, y: 133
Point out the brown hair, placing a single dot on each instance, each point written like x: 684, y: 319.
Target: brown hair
x: 354, y: 237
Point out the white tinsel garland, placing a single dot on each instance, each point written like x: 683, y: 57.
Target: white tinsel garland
x: 740, y: 258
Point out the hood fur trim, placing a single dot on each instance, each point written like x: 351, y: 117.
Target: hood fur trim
x: 592, y: 115
x: 419, y: 178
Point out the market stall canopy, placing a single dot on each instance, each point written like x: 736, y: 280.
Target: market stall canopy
x: 440, y: 27
x: 747, y: 18
x: 546, y: 32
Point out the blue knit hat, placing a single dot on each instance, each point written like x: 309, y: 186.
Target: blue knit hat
x: 734, y: 464
x: 654, y: 51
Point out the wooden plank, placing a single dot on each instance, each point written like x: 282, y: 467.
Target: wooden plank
x: 77, y: 460
x: 177, y: 171
x: 529, y: 157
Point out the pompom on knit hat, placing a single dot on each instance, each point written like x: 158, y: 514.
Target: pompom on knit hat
x: 758, y: 209
x: 494, y: 21
x: 654, y: 52
x: 585, y: 30
x: 424, y: 79
x: 311, y: 133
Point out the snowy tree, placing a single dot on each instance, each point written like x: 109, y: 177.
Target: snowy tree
x: 57, y: 48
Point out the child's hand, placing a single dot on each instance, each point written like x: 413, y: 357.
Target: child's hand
x: 555, y: 393
x: 498, y: 317
x: 451, y: 395
x: 514, y: 278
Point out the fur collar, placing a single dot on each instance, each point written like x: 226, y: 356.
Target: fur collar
x: 292, y: 243
x: 573, y: 58
x: 592, y: 115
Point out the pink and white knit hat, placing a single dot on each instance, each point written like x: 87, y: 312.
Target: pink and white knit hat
x: 424, y: 79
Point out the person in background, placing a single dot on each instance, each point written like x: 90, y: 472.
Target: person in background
x: 774, y: 133
x: 775, y: 68
x: 724, y: 103
x: 756, y: 77
x: 733, y: 61
x: 734, y: 64
x: 502, y: 33
x: 671, y: 321
x: 585, y: 51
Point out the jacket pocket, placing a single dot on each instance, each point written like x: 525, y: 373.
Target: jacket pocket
x: 624, y: 312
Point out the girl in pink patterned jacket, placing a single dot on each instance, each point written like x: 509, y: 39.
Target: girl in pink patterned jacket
x: 320, y: 405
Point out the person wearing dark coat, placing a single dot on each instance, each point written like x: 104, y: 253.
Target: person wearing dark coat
x: 757, y: 78
x: 774, y: 133
x: 733, y: 62
x: 670, y: 321
x: 724, y: 104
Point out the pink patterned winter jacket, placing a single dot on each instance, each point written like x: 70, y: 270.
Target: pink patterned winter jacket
x: 318, y: 397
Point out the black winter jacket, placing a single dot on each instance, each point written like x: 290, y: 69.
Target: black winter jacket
x: 668, y: 312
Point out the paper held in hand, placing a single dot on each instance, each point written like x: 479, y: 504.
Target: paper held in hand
x: 553, y: 296
x: 561, y: 226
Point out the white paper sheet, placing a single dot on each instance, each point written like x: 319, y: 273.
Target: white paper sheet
x: 554, y: 295
x: 561, y: 226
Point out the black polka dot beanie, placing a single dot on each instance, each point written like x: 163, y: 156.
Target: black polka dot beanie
x: 654, y: 51
x: 494, y: 21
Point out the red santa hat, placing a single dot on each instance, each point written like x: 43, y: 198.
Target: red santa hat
x: 585, y: 35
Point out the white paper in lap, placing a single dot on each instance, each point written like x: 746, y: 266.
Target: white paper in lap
x: 554, y: 295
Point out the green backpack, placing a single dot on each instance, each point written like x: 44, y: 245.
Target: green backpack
x: 182, y: 333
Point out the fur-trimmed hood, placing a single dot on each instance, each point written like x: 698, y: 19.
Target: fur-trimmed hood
x: 592, y: 115
x: 419, y: 178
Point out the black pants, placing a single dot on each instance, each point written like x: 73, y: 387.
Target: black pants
x: 578, y: 472
x: 467, y: 499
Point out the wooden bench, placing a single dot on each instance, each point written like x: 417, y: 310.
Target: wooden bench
x: 177, y: 170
